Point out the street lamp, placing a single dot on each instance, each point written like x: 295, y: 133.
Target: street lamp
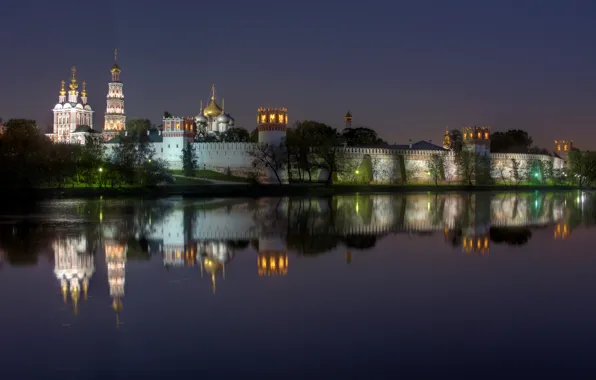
x: 100, y: 170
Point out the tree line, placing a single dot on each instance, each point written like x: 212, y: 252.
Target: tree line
x: 28, y: 159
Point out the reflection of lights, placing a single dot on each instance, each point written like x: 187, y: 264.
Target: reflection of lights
x: 357, y: 208
x: 272, y: 263
x: 479, y: 244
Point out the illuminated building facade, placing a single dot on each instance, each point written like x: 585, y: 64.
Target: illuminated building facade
x: 73, y: 116
x: 214, y: 118
x: 115, y: 116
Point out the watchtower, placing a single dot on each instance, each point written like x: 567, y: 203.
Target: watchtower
x: 477, y: 139
x: 563, y: 147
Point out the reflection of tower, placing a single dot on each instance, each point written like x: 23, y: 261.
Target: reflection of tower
x: 216, y: 254
x: 562, y: 231
x: 476, y: 230
x: 173, y: 239
x: 348, y: 119
x: 73, y: 267
x: 272, y: 257
x: 116, y: 264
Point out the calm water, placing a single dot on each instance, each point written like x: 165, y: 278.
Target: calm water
x: 426, y: 284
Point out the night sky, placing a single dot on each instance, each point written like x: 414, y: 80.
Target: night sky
x: 404, y: 68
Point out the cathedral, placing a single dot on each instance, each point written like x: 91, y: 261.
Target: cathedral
x: 73, y: 116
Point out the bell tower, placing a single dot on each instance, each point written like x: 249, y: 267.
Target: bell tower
x: 115, y: 117
x: 563, y: 147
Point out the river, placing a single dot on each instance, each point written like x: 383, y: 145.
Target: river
x: 380, y: 286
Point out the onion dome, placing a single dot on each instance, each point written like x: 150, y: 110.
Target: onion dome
x: 200, y: 119
x: 223, y: 118
x: 213, y: 109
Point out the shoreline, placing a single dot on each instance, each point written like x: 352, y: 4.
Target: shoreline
x: 257, y: 191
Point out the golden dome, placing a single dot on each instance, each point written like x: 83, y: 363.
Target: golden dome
x: 213, y: 109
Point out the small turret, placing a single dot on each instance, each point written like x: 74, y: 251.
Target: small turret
x: 348, y: 119
x: 447, y: 140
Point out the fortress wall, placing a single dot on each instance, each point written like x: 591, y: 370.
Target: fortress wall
x: 221, y: 156
x: 503, y: 164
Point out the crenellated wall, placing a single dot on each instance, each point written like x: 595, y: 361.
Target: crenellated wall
x: 386, y: 165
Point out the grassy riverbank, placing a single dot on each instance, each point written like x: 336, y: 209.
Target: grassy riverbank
x: 249, y: 191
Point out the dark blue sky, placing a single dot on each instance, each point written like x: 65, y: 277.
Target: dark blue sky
x: 405, y: 68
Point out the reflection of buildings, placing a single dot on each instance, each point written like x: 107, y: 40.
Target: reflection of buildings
x: 73, y: 267
x: 272, y: 257
x: 116, y: 265
x: 562, y: 231
x: 214, y: 255
x: 476, y: 244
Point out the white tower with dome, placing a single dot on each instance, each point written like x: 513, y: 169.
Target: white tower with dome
x: 115, y: 117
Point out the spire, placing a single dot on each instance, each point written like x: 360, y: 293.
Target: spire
x: 62, y: 97
x: 201, y: 109
x: 73, y: 81
x: 115, y: 69
x: 84, y: 93
x: 223, y: 108
x: 213, y: 92
x: 73, y: 94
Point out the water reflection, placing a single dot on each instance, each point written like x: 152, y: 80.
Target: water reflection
x: 207, y: 235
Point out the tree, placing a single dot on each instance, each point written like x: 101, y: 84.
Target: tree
x: 303, y: 139
x: 361, y: 137
x: 136, y: 127
x: 512, y: 141
x: 254, y: 135
x: 24, y: 154
x: 90, y: 161
x: 333, y: 159
x: 269, y: 157
x: 466, y: 166
x: 190, y: 162
x: 455, y: 140
x: 583, y: 166
x: 235, y: 134
x: 167, y: 115
x: 436, y: 168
